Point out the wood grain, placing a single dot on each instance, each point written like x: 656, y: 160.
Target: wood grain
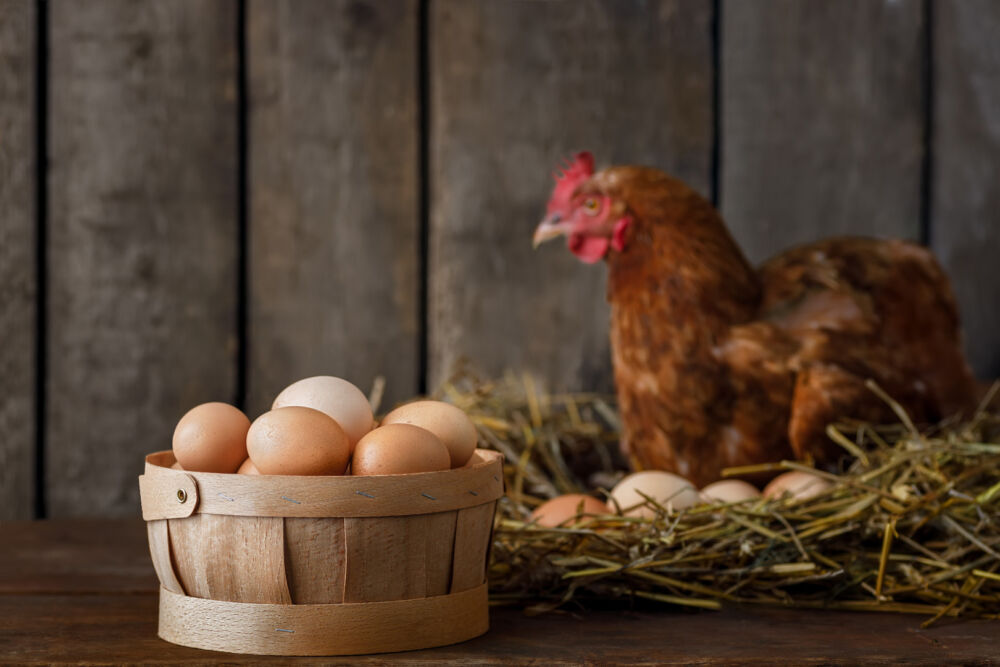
x: 234, y: 558
x: 159, y: 551
x: 334, y: 220
x: 90, y: 567
x: 822, y: 120
x: 323, y: 629
x: 514, y: 87
x: 315, y: 560
x: 73, y: 630
x: 168, y: 496
x: 78, y: 556
x: 143, y: 237
x: 18, y: 288
x: 472, y: 544
x: 320, y: 496
x: 398, y: 558
x: 439, y: 543
x: 90, y: 614
x: 965, y: 198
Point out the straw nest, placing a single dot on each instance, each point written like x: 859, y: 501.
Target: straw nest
x: 911, y: 523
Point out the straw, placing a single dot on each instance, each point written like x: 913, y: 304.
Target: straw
x: 911, y: 525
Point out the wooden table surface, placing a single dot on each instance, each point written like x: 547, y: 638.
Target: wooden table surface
x: 84, y: 592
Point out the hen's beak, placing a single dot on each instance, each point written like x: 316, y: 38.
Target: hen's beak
x: 550, y: 228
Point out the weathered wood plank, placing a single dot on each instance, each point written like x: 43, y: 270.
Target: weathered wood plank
x: 76, y: 630
x: 59, y: 625
x: 514, y: 87
x: 334, y: 219
x: 822, y: 120
x: 18, y: 288
x: 143, y: 237
x: 75, y: 556
x: 965, y: 180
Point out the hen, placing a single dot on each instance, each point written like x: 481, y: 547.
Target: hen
x: 717, y: 364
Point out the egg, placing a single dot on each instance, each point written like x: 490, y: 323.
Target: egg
x: 729, y: 491
x: 670, y: 490
x: 561, y: 509
x: 211, y: 437
x: 798, y: 484
x: 248, y: 468
x: 396, y: 449
x: 447, y: 422
x: 296, y: 440
x: 338, y: 398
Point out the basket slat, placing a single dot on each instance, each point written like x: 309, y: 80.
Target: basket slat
x: 159, y: 550
x: 472, y: 541
x: 394, y: 558
x: 323, y: 629
x: 440, y: 531
x: 235, y: 558
x: 314, y: 559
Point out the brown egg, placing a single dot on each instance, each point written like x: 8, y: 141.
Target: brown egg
x: 797, y: 484
x: 298, y: 441
x: 729, y: 491
x: 670, y: 490
x: 559, y: 510
x: 211, y: 437
x: 338, y: 398
x: 447, y: 422
x: 397, y: 449
x: 248, y: 468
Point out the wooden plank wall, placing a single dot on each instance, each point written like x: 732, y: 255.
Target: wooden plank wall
x: 238, y: 193
x: 822, y: 120
x: 515, y: 86
x: 18, y: 286
x: 142, y: 251
x: 333, y: 189
x: 965, y: 173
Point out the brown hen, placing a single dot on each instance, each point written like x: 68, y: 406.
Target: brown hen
x: 717, y: 364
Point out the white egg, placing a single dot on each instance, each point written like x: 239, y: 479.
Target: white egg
x: 338, y: 398
x: 670, y: 490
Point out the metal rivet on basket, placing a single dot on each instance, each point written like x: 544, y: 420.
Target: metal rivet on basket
x: 182, y: 496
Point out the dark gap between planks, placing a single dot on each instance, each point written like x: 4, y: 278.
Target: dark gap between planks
x: 926, y: 167
x: 715, y: 163
x: 423, y: 194
x: 41, y: 241
x: 242, y: 207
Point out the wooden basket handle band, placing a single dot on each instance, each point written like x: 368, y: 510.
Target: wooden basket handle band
x: 323, y: 629
x: 173, y: 494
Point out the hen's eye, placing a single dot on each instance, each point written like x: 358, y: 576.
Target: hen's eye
x: 591, y: 205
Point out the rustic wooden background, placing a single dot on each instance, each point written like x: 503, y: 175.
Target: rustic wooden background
x: 207, y: 199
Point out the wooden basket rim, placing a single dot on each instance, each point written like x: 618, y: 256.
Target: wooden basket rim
x: 169, y: 494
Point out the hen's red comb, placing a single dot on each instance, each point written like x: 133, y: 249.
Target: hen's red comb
x: 571, y: 175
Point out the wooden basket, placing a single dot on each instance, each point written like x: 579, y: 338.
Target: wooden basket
x: 283, y: 565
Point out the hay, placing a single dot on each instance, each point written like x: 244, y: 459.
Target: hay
x: 910, y: 525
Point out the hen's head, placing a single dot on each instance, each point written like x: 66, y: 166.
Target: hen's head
x: 592, y: 221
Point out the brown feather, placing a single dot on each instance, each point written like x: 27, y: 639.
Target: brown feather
x: 717, y: 364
